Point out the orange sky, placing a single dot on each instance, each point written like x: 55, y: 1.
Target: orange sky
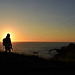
x: 38, y: 21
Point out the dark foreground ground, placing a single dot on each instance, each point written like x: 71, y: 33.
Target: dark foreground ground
x: 20, y: 64
x: 11, y: 63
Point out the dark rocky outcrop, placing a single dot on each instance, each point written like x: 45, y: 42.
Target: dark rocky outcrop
x: 66, y: 52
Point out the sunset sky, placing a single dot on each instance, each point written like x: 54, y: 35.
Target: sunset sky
x: 38, y: 20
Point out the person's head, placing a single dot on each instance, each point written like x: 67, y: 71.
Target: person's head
x: 8, y: 35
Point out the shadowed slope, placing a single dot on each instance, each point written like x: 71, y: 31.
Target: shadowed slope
x: 18, y: 63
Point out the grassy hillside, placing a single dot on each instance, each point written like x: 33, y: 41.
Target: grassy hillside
x: 18, y: 63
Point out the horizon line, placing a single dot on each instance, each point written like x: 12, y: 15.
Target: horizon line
x: 41, y: 41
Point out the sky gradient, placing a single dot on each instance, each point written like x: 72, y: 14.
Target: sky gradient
x: 38, y: 20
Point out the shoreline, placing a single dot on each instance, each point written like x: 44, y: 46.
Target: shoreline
x: 29, y: 63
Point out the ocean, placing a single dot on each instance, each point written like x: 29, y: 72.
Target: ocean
x: 40, y: 49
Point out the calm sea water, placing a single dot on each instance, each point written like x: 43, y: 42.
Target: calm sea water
x: 40, y: 49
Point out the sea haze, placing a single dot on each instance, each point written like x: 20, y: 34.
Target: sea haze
x: 40, y: 49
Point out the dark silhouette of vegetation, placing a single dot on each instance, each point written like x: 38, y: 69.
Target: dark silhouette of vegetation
x: 18, y: 63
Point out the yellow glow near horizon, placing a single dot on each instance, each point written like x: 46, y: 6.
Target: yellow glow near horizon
x: 5, y: 34
x: 17, y: 35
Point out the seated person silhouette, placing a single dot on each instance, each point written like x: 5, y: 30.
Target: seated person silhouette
x: 7, y: 43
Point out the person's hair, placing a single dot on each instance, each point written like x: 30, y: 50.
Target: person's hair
x: 8, y: 35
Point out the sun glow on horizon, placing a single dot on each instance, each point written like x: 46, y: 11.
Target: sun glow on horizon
x: 5, y: 34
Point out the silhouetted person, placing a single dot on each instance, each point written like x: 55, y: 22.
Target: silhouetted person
x: 7, y: 43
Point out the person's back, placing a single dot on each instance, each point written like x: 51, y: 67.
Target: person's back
x: 7, y: 43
